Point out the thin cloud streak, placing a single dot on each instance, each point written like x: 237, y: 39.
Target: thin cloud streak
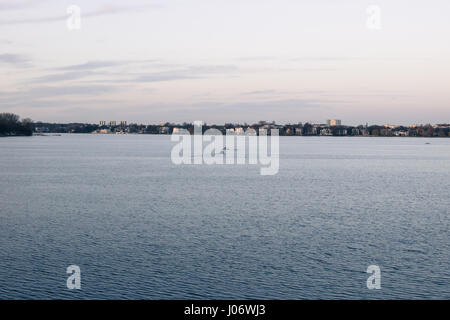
x: 64, y: 76
x: 90, y: 65
x: 26, y: 97
x: 14, y: 5
x: 88, y: 69
x: 107, y: 10
x: 15, y: 59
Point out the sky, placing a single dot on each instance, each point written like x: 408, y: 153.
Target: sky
x: 223, y: 61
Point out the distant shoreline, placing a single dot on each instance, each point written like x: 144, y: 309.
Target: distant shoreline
x: 159, y: 134
x: 262, y: 127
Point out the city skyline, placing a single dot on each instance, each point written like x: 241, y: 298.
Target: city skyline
x: 330, y: 128
x: 234, y: 61
x: 327, y: 122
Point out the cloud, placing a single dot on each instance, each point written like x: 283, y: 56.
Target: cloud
x: 15, y: 59
x: 193, y: 72
x: 52, y: 91
x: 78, y: 71
x: 32, y: 96
x: 347, y: 58
x: 272, y: 105
x: 84, y: 70
x: 17, y: 4
x: 257, y: 58
x: 54, y: 100
x: 105, y: 10
x: 5, y: 41
x: 89, y: 69
x: 213, y: 68
x: 62, y: 103
x: 63, y: 76
x: 163, y: 76
x: 90, y: 65
x: 261, y: 92
x: 110, y: 9
x: 323, y: 58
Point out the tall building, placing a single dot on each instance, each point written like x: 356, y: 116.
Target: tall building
x: 102, y: 123
x: 123, y: 123
x: 335, y: 123
x: 112, y: 123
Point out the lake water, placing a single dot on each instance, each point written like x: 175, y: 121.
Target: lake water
x: 141, y: 227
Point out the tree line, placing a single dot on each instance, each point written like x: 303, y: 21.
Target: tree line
x: 11, y: 125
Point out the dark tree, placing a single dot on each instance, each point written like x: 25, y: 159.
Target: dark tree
x: 11, y: 125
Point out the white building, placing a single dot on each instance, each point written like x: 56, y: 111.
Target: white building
x: 179, y: 131
x: 263, y: 132
x: 326, y: 132
x: 239, y: 131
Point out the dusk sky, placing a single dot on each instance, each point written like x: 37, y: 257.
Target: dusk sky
x: 226, y: 61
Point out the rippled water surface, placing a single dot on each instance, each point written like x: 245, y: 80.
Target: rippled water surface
x: 140, y: 227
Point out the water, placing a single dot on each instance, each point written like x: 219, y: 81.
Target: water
x: 140, y: 227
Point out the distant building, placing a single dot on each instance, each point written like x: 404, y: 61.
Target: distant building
x: 112, y: 123
x: 334, y: 123
x: 123, y: 123
x: 326, y: 132
x: 401, y: 133
x: 340, y: 132
x: 102, y: 131
x: 316, y: 130
x: 179, y: 131
x: 164, y: 130
x: 239, y: 131
x: 263, y: 132
x: 250, y: 132
x: 289, y: 132
x: 102, y: 123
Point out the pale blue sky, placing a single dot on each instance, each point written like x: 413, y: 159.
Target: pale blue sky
x: 226, y: 61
